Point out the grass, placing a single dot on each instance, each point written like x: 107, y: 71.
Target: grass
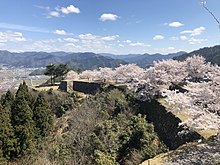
x: 158, y: 160
x: 206, y: 134
x: 45, y: 88
x: 183, y: 115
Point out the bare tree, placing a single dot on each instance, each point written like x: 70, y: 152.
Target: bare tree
x: 206, y: 8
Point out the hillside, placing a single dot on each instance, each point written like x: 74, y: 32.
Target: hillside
x: 88, y: 60
x: 144, y: 60
x: 211, y: 54
x: 41, y: 59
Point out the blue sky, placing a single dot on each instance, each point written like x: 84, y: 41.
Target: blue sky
x: 108, y: 26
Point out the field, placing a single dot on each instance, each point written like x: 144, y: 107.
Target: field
x: 10, y: 78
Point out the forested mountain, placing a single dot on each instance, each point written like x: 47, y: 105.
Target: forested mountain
x: 211, y: 54
x: 87, y: 60
x: 144, y: 60
x: 41, y: 59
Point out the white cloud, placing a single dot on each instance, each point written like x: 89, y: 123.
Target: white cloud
x: 2, y: 44
x: 194, y: 41
x: 139, y: 44
x: 62, y: 11
x: 69, y: 9
x: 40, y: 46
x: 53, y: 14
x: 174, y: 38
x: 11, y: 36
x: 71, y: 40
x: 110, y: 38
x: 88, y: 36
x: 23, y: 28
x: 108, y: 17
x: 171, y: 48
x: 127, y: 41
x: 194, y: 32
x: 183, y: 38
x: 95, y: 42
x: 175, y: 24
x: 158, y: 37
x: 60, y: 32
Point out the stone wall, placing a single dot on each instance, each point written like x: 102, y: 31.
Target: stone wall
x: 87, y: 87
x: 66, y: 86
x: 166, y: 125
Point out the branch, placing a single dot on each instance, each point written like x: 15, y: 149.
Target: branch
x: 205, y: 7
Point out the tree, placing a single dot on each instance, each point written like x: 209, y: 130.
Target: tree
x: 126, y: 73
x: 50, y: 71
x: 72, y: 75
x: 89, y: 74
x: 55, y: 71
x: 21, y: 119
x: 61, y: 70
x: 206, y: 8
x: 8, y: 100
x: 42, y: 115
x: 23, y: 91
x: 7, y: 138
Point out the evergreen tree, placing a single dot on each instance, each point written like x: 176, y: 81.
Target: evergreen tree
x: 23, y: 124
x: 8, y: 99
x: 42, y: 115
x: 23, y: 91
x: 7, y: 139
x: 50, y: 71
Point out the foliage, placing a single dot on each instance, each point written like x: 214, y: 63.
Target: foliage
x: 7, y: 138
x: 55, y: 71
x: 23, y: 125
x: 42, y: 115
x: 108, y: 130
x: 22, y: 122
x: 50, y: 71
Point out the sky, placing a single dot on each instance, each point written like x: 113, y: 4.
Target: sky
x: 108, y: 26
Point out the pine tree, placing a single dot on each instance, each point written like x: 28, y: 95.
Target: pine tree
x: 7, y: 139
x: 42, y: 115
x: 24, y: 91
x: 23, y: 124
x: 8, y: 100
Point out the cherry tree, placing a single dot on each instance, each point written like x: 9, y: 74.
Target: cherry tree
x: 126, y: 73
x: 72, y: 75
x: 89, y: 74
x: 197, y: 68
x: 106, y: 74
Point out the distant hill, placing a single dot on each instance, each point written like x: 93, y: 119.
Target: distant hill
x: 41, y: 59
x: 90, y: 60
x: 144, y: 60
x: 211, y: 54
x: 122, y: 57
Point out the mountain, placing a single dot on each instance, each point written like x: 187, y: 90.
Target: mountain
x: 90, y: 60
x: 38, y: 59
x: 211, y: 54
x: 41, y: 59
x: 7, y: 57
x: 84, y: 61
x: 143, y: 60
x: 122, y: 57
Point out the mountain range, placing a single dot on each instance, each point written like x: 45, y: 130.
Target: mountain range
x: 89, y: 60
x: 211, y: 54
x: 84, y: 61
